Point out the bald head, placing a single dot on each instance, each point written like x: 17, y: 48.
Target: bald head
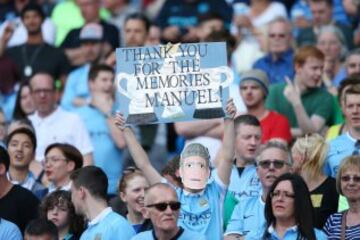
x: 159, y: 192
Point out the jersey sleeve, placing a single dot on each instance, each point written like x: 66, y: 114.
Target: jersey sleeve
x: 236, y: 223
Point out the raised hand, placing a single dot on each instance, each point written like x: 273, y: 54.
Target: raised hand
x: 231, y: 108
x: 292, y: 92
x: 120, y: 121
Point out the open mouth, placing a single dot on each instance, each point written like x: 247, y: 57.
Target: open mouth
x: 140, y: 202
x: 19, y: 157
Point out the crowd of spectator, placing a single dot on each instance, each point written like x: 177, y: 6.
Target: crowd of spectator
x: 283, y: 164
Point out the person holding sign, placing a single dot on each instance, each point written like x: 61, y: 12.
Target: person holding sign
x: 201, y: 200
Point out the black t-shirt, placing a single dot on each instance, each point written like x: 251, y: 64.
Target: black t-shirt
x: 325, y: 201
x: 19, y: 206
x: 110, y: 35
x: 41, y: 58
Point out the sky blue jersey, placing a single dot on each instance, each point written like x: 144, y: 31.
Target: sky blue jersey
x: 339, y: 148
x: 248, y: 216
x: 108, y: 226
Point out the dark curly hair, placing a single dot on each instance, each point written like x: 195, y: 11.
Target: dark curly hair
x: 62, y: 198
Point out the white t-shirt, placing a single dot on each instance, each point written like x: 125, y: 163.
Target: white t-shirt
x: 60, y: 127
x: 20, y: 35
x: 274, y: 10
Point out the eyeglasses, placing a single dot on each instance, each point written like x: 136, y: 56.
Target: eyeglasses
x: 174, y: 206
x: 356, y: 152
x: 280, y: 35
x: 54, y: 159
x: 277, y: 164
x: 278, y: 194
x: 347, y: 178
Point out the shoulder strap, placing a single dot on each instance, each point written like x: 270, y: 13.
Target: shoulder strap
x: 343, y: 226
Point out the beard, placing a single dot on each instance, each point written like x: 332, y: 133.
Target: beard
x: 34, y: 32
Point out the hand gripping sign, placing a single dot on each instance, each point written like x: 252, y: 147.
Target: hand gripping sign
x: 168, y: 83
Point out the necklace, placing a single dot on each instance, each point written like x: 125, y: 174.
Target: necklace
x: 28, y: 71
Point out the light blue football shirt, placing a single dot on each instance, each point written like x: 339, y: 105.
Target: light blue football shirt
x: 106, y: 154
x: 203, y: 212
x: 76, y: 86
x: 9, y: 230
x: 185, y: 235
x: 248, y: 216
x: 246, y: 185
x: 339, y: 148
x: 108, y: 225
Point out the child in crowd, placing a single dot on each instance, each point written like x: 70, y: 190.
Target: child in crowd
x: 58, y: 208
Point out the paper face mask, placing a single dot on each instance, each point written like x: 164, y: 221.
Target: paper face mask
x: 194, y: 173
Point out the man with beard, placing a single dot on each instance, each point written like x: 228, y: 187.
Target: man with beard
x: 35, y: 55
x: 253, y: 90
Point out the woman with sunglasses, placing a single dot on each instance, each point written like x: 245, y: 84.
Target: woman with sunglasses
x: 346, y: 225
x: 60, y: 160
x: 288, y: 211
x: 309, y: 155
x: 131, y: 190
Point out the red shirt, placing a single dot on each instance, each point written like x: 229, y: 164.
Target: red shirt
x: 275, y: 125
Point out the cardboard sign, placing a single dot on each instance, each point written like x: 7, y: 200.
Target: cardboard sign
x: 174, y: 82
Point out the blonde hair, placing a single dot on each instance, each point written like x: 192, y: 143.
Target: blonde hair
x: 347, y: 163
x: 314, y: 150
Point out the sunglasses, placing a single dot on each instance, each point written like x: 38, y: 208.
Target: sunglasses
x: 346, y: 178
x: 277, y: 194
x: 265, y: 164
x: 174, y: 206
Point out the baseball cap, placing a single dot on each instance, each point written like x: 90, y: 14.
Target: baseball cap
x: 91, y: 32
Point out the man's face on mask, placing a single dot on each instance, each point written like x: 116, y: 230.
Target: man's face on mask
x: 194, y: 172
